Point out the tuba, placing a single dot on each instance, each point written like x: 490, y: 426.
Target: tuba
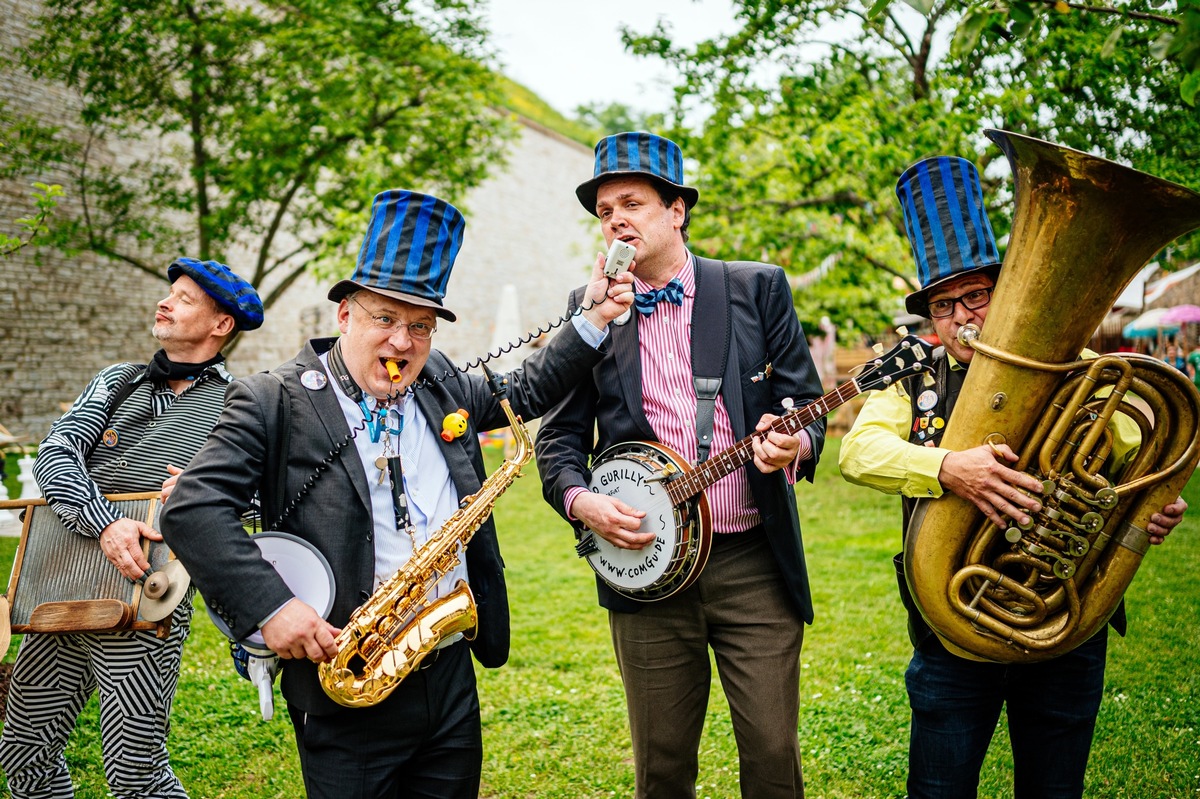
x: 389, y: 635
x: 1083, y: 227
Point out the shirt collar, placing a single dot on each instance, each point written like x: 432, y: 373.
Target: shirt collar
x: 686, y: 275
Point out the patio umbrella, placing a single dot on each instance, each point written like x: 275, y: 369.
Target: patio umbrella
x: 1149, y: 325
x: 1182, y: 314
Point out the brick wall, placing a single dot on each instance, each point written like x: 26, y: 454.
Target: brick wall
x: 63, y: 318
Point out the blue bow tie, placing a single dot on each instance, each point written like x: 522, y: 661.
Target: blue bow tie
x: 672, y: 293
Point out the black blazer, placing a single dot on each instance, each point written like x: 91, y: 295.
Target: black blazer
x: 202, y: 524
x: 764, y: 331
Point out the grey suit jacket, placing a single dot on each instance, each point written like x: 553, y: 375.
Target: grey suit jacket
x: 243, y: 455
x: 764, y: 331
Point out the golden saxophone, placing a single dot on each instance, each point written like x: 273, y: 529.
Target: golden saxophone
x: 1083, y: 228
x: 389, y: 635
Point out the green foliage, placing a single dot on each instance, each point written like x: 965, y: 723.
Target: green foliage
x: 1171, y: 37
x: 45, y: 199
x: 272, y: 122
x: 606, y: 120
x: 24, y: 149
x: 521, y: 100
x: 816, y: 107
x: 554, y: 717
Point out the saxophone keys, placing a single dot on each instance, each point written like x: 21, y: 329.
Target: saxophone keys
x: 388, y: 664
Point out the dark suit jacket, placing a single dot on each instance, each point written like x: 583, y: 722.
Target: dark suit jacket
x: 765, y: 331
x: 244, y: 454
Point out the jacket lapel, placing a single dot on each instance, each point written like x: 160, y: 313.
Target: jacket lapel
x: 628, y: 357
x: 435, y: 402
x: 324, y: 405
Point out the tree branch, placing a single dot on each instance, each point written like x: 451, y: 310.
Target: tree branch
x: 1120, y: 12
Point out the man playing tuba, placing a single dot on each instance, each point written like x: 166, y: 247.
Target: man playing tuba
x: 347, y: 457
x: 893, y: 447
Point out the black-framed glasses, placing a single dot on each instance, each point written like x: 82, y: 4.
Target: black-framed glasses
x: 972, y: 301
x: 421, y: 331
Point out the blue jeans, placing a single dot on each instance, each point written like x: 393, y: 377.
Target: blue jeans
x: 956, y: 703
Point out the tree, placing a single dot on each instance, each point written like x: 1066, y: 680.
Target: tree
x: 45, y: 200
x: 817, y: 107
x: 269, y: 123
x: 1175, y: 37
x: 15, y: 131
x: 615, y: 118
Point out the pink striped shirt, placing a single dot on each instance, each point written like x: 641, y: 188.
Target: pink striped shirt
x: 669, y: 402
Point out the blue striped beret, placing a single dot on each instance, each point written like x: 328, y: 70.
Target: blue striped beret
x: 233, y: 295
x: 946, y: 223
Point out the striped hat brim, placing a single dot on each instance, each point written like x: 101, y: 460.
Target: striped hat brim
x: 588, y: 189
x: 344, y: 288
x: 918, y: 302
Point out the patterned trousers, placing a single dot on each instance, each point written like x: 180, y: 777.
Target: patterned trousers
x: 55, y: 675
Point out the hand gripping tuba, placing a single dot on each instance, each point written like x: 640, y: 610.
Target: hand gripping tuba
x: 1083, y: 228
x: 392, y: 632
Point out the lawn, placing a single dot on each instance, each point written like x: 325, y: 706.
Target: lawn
x: 554, y: 716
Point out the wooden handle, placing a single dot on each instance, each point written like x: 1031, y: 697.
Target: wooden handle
x: 81, y: 616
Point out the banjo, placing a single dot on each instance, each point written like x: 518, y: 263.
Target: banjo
x: 653, y: 478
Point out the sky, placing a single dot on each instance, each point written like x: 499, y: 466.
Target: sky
x: 569, y: 52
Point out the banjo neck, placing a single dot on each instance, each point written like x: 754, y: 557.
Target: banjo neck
x: 691, y: 482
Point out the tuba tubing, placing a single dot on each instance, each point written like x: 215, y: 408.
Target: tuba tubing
x: 1082, y: 229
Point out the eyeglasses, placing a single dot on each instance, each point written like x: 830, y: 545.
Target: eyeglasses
x: 421, y: 331
x: 972, y: 301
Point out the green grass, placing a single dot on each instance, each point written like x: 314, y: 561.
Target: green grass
x: 554, y: 722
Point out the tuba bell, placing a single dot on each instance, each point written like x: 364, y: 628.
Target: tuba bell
x: 1083, y: 227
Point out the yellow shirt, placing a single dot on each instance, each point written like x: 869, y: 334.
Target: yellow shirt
x: 876, y: 453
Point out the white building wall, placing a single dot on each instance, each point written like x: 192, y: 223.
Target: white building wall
x: 524, y: 228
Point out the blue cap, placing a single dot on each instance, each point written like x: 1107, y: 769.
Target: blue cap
x: 636, y: 154
x: 946, y: 223
x: 233, y: 295
x: 409, y: 250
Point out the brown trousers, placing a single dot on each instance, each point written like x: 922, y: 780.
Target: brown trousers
x: 739, y: 607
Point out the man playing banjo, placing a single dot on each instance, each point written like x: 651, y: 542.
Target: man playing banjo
x: 712, y: 355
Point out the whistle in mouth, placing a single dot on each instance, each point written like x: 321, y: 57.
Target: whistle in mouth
x: 393, y: 370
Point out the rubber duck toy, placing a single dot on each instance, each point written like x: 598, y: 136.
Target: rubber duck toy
x: 454, y: 425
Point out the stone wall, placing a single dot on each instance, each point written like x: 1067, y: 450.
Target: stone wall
x: 63, y: 318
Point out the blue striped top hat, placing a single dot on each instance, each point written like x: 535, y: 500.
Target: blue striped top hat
x: 232, y: 294
x: 636, y: 154
x: 409, y: 250
x: 946, y: 223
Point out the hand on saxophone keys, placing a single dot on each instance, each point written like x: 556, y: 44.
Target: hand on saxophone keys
x: 980, y: 475
x: 297, y: 632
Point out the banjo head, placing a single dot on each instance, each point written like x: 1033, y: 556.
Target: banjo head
x: 675, y: 557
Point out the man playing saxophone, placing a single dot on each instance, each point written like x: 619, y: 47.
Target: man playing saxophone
x: 347, y: 456
x: 893, y: 446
